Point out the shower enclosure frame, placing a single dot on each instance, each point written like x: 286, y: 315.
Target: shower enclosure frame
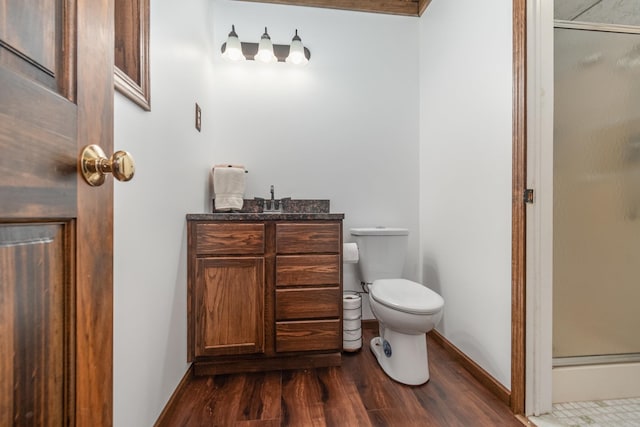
x: 539, y: 225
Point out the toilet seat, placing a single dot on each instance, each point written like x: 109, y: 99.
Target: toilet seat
x: 406, y: 296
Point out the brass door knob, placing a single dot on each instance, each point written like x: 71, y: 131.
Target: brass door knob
x: 95, y: 165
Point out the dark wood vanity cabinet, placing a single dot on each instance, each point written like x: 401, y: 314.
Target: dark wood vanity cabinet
x: 308, y: 292
x: 264, y: 294
x: 229, y: 289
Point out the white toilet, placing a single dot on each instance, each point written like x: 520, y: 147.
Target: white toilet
x: 405, y: 310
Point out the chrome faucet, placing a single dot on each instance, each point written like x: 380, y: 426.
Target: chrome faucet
x: 272, y: 205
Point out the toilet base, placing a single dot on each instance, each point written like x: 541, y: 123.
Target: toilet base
x: 403, y: 357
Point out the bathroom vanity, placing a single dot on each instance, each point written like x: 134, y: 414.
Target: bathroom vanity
x: 264, y: 291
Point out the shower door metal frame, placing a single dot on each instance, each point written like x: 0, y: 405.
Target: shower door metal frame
x: 590, y: 26
x: 599, y: 358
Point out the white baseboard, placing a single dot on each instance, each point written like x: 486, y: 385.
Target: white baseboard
x: 595, y: 382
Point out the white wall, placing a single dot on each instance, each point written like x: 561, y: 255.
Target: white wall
x: 345, y: 127
x: 465, y: 174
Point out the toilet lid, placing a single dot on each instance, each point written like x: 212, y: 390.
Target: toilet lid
x: 405, y: 295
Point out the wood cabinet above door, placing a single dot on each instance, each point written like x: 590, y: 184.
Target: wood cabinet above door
x: 391, y: 7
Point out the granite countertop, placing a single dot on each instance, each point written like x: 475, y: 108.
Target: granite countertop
x: 294, y: 210
x: 259, y: 216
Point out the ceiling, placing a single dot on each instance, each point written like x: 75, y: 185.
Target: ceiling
x: 392, y: 7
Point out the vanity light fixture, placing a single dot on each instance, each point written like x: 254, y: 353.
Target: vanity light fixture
x: 233, y: 48
x: 265, y: 51
x: 297, y: 51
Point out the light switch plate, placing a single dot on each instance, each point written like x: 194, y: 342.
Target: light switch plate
x: 198, y: 118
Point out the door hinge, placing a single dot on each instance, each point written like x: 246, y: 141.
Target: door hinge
x: 527, y: 196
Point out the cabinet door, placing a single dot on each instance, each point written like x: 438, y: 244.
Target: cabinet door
x: 230, y: 296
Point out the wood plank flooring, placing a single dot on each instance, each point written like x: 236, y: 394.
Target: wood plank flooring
x: 356, y: 394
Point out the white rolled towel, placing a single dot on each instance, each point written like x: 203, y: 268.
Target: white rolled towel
x: 228, y: 187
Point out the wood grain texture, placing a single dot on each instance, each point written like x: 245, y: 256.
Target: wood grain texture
x: 309, y: 237
x: 294, y: 270
x: 132, y: 73
x: 127, y: 37
x: 308, y: 335
x: 356, y: 394
x: 422, y: 6
x: 230, y: 306
x: 45, y: 129
x: 308, y: 303
x: 38, y: 161
x: 254, y: 363
x: 33, y: 340
x: 478, y: 373
x: 518, y: 224
x: 393, y: 7
x: 222, y: 320
x: 229, y: 238
x: 16, y: 23
x: 94, y: 224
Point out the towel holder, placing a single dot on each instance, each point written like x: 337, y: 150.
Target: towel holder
x: 230, y: 166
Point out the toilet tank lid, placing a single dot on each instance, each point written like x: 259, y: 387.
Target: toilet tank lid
x: 378, y: 231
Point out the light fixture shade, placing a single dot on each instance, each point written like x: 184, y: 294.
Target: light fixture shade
x: 265, y: 49
x: 233, y: 49
x: 296, y: 51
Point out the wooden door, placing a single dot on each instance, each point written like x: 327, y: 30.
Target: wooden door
x: 56, y: 96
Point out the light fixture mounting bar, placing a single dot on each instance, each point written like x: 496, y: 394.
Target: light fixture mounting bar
x: 281, y: 51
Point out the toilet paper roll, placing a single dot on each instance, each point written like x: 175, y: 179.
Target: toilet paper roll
x: 351, y: 300
x: 351, y: 324
x: 351, y: 335
x: 351, y: 313
x: 354, y: 345
x: 350, y: 253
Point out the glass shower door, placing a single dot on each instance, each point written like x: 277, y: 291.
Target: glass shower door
x: 596, y: 273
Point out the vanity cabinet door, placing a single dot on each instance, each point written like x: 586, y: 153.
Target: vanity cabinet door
x: 229, y: 318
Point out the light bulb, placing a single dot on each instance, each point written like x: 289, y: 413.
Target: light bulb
x: 233, y: 48
x: 296, y: 51
x: 265, y: 49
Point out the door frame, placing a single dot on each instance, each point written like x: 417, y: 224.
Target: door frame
x: 518, y: 237
x: 532, y: 237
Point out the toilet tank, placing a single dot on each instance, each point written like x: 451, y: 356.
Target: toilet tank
x: 381, y: 251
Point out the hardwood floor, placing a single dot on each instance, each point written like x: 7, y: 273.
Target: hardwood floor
x: 356, y: 394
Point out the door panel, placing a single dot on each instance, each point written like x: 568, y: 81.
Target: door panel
x: 21, y: 17
x: 39, y: 151
x: 596, y: 187
x: 35, y: 286
x: 56, y: 232
x: 37, y: 39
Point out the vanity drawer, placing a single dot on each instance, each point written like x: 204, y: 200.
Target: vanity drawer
x: 229, y: 238
x: 308, y: 238
x: 308, y: 335
x: 294, y: 270
x: 307, y: 303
